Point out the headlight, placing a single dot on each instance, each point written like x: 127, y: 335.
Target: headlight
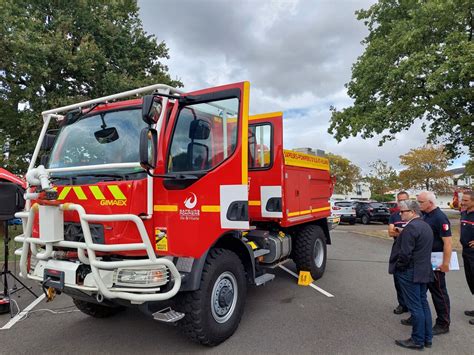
x: 140, y: 277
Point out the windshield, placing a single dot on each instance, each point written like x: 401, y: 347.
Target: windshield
x: 105, y: 138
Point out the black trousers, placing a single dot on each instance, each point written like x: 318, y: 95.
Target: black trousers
x: 468, y: 257
x: 400, y: 298
x: 439, y: 294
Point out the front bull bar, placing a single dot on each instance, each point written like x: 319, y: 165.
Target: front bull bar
x: 30, y: 243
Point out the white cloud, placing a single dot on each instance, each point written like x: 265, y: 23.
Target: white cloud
x: 296, y: 54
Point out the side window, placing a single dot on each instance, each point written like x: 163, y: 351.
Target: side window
x: 204, y: 136
x: 260, y: 146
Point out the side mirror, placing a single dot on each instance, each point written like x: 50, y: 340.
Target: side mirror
x: 151, y: 109
x: 199, y: 129
x: 106, y: 135
x: 198, y: 156
x: 148, y: 148
x: 48, y: 140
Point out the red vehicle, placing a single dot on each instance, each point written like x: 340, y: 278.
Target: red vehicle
x: 176, y: 196
x: 392, y: 206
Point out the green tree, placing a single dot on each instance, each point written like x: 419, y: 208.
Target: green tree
x: 418, y: 64
x: 426, y: 169
x: 345, y: 172
x: 382, y: 177
x: 469, y: 166
x: 54, y: 53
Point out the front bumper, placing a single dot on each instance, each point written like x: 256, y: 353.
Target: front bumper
x: 101, y: 280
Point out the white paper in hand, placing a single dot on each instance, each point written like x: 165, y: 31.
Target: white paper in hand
x: 437, y: 259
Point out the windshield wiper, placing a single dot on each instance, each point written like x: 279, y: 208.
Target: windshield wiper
x: 180, y: 176
x: 101, y: 175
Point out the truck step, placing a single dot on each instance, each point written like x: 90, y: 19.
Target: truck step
x: 262, y: 279
x: 168, y: 315
x: 260, y: 252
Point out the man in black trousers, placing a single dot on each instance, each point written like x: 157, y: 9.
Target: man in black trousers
x: 395, y: 226
x: 442, y: 242
x: 410, y: 261
x: 467, y: 241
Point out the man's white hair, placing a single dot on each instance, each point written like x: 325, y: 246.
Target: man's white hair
x: 430, y: 196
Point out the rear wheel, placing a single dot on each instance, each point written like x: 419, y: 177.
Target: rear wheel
x: 309, y: 250
x: 365, y: 219
x: 213, y: 313
x: 96, y: 310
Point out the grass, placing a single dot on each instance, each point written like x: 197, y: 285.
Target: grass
x: 13, y: 231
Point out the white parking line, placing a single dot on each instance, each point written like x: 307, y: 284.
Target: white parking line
x: 319, y: 289
x: 20, y: 315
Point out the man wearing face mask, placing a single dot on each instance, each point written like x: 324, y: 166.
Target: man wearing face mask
x: 395, y: 226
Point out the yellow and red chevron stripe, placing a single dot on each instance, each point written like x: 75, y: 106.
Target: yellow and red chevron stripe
x: 81, y: 192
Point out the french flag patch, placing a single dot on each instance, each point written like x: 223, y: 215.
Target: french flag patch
x: 445, y: 227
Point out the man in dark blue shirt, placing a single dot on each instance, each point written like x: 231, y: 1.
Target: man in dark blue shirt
x: 467, y: 241
x: 441, y: 227
x: 410, y: 261
x: 395, y: 226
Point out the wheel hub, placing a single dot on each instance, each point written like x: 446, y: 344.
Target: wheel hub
x: 224, y: 297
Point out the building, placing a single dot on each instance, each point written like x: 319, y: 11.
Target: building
x: 360, y: 191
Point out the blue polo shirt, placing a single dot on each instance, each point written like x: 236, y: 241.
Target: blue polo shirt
x: 440, y: 225
x: 396, y: 220
x: 467, y: 228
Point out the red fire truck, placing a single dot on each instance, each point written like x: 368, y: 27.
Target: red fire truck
x: 172, y: 203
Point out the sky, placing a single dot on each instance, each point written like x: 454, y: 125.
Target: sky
x: 297, y: 56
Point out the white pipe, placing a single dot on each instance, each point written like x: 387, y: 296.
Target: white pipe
x: 95, y: 167
x: 113, y: 97
x: 40, y: 140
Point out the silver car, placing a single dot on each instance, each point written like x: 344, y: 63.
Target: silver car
x: 345, y: 210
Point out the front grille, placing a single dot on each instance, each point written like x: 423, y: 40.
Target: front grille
x: 73, y: 232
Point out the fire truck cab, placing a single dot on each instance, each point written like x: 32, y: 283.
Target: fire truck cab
x: 174, y: 203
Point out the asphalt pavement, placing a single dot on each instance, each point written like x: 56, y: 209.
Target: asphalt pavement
x: 280, y: 317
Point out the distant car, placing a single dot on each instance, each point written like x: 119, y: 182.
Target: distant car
x: 367, y: 212
x: 345, y: 210
x: 392, y: 206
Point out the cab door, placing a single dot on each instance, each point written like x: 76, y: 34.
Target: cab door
x: 203, y: 153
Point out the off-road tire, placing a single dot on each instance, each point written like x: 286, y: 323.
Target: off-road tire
x: 199, y: 322
x: 365, y: 219
x: 96, y: 310
x: 308, y: 244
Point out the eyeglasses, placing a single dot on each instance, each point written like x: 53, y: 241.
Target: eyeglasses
x: 420, y: 202
x: 401, y: 211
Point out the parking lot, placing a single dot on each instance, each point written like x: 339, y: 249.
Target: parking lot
x: 280, y: 317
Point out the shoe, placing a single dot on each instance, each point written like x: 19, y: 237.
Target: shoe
x: 428, y: 344
x: 400, y: 310
x: 437, y: 330
x: 407, y: 321
x: 471, y: 321
x: 409, y: 344
x: 467, y: 313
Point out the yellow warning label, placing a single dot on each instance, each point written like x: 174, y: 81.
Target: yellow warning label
x: 162, y: 244
x: 305, y: 278
x: 161, y: 240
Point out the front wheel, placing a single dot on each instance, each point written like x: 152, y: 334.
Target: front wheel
x: 213, y: 313
x: 309, y: 250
